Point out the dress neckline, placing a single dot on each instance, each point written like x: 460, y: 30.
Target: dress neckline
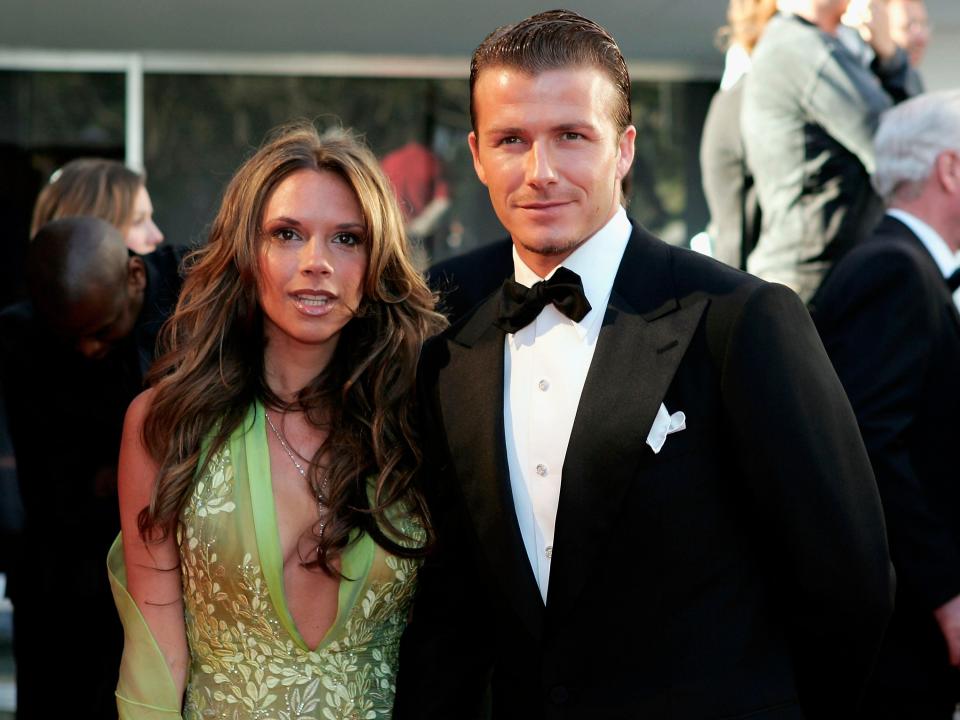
x: 355, y: 561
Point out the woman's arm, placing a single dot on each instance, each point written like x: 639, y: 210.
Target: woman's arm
x: 153, y: 569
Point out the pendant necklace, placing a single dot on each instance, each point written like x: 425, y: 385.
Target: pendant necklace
x: 321, y: 506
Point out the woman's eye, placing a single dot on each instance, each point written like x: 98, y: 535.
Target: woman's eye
x: 346, y: 238
x: 286, y: 234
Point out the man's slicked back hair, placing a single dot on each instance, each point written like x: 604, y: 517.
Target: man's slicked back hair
x: 554, y: 40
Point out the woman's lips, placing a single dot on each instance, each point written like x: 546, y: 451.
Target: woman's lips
x: 313, y: 303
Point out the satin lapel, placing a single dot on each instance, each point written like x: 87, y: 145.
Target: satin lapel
x: 471, y: 399
x: 635, y: 361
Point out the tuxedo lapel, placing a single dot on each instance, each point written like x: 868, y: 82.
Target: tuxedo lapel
x: 471, y: 399
x: 641, y: 343
x: 892, y: 227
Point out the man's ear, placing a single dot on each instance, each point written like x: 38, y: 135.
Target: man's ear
x: 947, y: 168
x: 136, y: 275
x: 475, y: 151
x: 625, y: 146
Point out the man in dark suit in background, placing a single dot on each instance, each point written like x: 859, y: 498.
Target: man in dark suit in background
x: 71, y: 360
x: 889, y: 322
x: 651, y: 496
x: 463, y: 281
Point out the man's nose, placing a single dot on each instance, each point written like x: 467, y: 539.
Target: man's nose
x: 540, y: 167
x: 92, y: 348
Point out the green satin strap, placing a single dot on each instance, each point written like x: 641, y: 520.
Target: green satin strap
x: 255, y: 475
x: 145, y: 689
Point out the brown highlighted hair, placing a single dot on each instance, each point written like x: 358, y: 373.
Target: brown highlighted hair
x: 104, y: 189
x: 553, y: 40
x: 212, y: 368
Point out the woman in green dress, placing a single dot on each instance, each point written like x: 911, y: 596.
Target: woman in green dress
x: 271, y: 522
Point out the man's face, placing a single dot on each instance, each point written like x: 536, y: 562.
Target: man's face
x: 550, y: 155
x: 105, y: 315
x: 909, y: 27
x: 829, y: 11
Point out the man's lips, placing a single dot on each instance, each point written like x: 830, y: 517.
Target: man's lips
x: 542, y: 204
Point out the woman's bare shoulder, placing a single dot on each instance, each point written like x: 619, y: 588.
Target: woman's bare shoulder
x: 136, y: 464
x: 140, y: 406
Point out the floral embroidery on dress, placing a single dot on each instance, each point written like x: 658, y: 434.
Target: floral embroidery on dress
x: 244, y: 663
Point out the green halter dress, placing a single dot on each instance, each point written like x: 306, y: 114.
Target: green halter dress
x: 247, y: 658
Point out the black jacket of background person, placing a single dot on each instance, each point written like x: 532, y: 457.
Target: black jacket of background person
x: 891, y: 328
x: 742, y: 571
x: 65, y: 415
x: 464, y: 281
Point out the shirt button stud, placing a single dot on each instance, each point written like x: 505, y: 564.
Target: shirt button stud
x: 542, y: 470
x: 544, y: 385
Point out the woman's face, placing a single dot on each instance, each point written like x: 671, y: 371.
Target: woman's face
x: 143, y: 235
x: 313, y: 259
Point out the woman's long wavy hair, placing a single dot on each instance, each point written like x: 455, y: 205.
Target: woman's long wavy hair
x: 211, y: 368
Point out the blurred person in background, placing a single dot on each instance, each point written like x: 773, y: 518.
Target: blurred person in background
x: 889, y: 322
x: 72, y: 357
x: 810, y: 109
x: 105, y: 189
x: 910, y: 27
x: 727, y: 181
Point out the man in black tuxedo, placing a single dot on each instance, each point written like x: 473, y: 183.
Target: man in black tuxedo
x: 889, y: 322
x: 664, y: 428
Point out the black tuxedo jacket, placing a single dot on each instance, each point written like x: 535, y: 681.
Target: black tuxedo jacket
x: 741, y: 571
x: 892, y: 330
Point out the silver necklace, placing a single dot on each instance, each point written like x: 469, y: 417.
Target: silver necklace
x: 321, y: 506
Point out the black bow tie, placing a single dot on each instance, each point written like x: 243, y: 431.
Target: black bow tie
x: 519, y: 305
x: 953, y: 282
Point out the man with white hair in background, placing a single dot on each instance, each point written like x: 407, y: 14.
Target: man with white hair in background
x: 888, y: 317
x: 810, y: 108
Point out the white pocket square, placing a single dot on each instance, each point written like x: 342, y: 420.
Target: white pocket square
x: 663, y: 425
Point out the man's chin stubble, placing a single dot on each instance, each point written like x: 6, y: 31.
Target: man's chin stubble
x: 554, y: 249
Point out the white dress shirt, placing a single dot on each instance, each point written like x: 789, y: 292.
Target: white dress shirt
x: 546, y: 364
x: 943, y: 256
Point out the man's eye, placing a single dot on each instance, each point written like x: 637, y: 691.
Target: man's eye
x: 572, y: 136
x: 510, y: 140
x: 105, y: 333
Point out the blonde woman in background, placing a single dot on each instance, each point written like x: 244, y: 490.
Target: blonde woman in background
x: 105, y: 189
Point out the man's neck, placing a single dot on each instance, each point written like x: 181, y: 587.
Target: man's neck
x: 928, y: 212
x: 543, y: 264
